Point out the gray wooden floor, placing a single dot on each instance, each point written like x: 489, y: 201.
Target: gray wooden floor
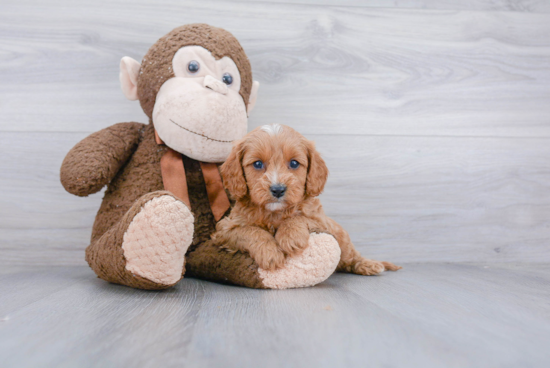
x: 433, y: 117
x: 427, y: 315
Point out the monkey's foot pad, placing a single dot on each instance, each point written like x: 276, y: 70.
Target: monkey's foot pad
x: 318, y: 261
x: 157, y: 239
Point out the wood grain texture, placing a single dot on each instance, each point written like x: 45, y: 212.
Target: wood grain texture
x: 534, y: 6
x: 334, y: 70
x: 404, y: 199
x: 433, y: 117
x: 434, y: 122
x: 427, y: 315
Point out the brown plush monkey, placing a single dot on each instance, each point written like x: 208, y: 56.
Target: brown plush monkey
x: 165, y: 194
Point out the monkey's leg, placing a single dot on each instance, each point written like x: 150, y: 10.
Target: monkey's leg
x: 314, y: 265
x: 146, y: 248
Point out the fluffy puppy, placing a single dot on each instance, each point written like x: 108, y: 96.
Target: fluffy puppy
x: 275, y: 175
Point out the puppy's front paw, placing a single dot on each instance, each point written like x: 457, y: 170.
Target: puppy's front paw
x: 292, y: 241
x: 268, y: 256
x: 368, y: 267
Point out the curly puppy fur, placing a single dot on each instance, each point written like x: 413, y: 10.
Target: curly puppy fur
x: 269, y: 226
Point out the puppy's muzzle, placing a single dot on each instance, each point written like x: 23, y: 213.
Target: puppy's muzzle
x: 277, y: 190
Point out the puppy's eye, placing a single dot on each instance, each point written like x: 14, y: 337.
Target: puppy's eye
x: 193, y: 66
x: 227, y: 79
x: 258, y: 165
x: 294, y: 164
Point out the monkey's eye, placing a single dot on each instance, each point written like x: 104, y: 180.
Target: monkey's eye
x: 258, y: 165
x: 294, y: 164
x: 193, y: 66
x: 227, y: 79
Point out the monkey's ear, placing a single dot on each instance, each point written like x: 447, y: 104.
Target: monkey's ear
x: 232, y: 171
x: 253, y: 96
x: 129, y: 71
x: 317, y: 171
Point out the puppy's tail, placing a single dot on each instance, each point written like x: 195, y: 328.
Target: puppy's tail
x: 388, y: 266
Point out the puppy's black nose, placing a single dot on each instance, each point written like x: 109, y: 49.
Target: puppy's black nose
x: 278, y: 190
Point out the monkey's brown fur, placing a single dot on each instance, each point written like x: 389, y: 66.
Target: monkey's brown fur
x: 126, y: 157
x: 156, y: 67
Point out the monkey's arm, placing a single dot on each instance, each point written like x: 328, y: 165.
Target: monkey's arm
x: 96, y: 159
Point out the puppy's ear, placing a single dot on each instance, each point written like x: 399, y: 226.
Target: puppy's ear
x: 317, y: 171
x: 232, y: 171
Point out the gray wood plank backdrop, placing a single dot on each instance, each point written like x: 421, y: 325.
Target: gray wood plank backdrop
x: 433, y: 116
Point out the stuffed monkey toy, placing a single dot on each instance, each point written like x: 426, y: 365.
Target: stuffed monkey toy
x: 164, y: 191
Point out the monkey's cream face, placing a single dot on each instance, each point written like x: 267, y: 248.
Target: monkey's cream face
x: 200, y: 112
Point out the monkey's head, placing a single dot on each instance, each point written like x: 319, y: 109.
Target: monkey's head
x: 195, y: 85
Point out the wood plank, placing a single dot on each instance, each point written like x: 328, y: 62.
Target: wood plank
x: 405, y: 199
x: 534, y: 6
x: 497, y: 313
x: 445, y: 199
x: 17, y: 283
x: 427, y: 315
x: 323, y: 69
x: 93, y: 323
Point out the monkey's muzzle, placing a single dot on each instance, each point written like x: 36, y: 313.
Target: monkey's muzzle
x: 215, y: 85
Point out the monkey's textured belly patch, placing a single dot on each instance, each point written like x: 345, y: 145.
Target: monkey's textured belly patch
x: 314, y: 265
x: 157, y: 239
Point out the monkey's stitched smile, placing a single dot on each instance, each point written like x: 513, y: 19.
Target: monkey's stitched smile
x: 202, y: 135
